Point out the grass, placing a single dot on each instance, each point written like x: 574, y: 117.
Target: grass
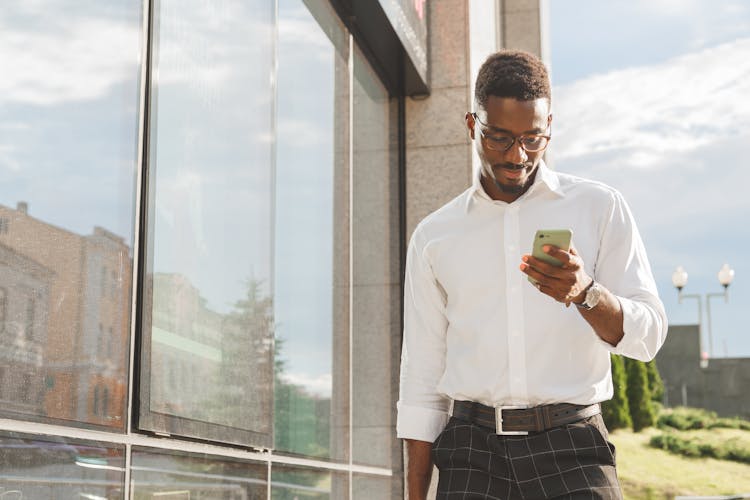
x: 650, y: 473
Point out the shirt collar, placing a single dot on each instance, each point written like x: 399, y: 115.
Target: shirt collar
x: 545, y: 178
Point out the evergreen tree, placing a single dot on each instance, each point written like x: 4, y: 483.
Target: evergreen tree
x: 241, y: 392
x: 655, y: 383
x: 616, y: 411
x: 639, y: 395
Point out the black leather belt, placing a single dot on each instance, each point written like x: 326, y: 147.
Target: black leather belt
x: 516, y: 420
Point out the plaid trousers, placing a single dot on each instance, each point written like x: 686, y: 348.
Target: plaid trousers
x: 574, y: 461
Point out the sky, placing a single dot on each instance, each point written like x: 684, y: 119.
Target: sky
x: 68, y: 108
x: 651, y: 97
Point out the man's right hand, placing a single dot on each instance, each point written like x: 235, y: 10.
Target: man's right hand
x: 419, y: 468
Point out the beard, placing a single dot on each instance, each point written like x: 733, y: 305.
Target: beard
x: 512, y: 188
x: 515, y: 189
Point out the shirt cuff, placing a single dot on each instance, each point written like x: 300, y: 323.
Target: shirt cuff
x: 421, y: 424
x: 632, y: 326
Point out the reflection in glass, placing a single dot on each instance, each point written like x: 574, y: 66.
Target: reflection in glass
x: 376, y: 282
x: 366, y: 487
x: 46, y: 467
x: 3, y: 308
x: 297, y: 483
x: 208, y: 311
x: 67, y: 169
x: 311, y: 263
x: 158, y: 474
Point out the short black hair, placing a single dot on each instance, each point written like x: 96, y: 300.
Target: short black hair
x: 512, y: 73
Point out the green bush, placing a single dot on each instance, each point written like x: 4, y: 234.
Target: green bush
x: 616, y: 412
x: 684, y: 418
x: 731, y: 449
x: 639, y: 395
x: 734, y: 450
x: 675, y: 444
x: 730, y: 423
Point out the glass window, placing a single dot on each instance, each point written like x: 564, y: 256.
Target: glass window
x: 29, y: 328
x: 68, y: 156
x: 3, y: 308
x: 208, y: 297
x: 297, y: 483
x: 96, y: 408
x: 52, y: 467
x: 311, y: 258
x: 365, y: 487
x: 375, y: 262
x: 159, y: 474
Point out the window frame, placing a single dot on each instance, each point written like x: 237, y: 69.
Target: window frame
x: 143, y: 418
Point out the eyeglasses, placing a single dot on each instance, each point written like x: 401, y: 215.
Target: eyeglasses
x: 532, y: 143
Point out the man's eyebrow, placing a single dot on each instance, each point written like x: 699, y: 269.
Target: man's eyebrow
x: 533, y: 131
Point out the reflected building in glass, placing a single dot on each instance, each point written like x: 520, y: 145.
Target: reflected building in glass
x: 66, y: 317
x: 204, y: 211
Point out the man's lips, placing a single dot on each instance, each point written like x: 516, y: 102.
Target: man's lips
x: 512, y: 171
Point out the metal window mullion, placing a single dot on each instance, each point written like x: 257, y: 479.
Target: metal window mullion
x: 145, y: 82
x: 198, y: 448
x: 274, y: 145
x: 350, y: 64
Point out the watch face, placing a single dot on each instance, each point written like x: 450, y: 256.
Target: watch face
x: 593, y: 295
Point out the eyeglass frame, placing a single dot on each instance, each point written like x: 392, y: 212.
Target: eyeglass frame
x: 514, y: 137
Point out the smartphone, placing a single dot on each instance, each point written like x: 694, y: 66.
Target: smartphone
x: 556, y: 237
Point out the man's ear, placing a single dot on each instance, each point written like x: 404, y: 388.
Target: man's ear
x: 469, y: 119
x: 549, y: 120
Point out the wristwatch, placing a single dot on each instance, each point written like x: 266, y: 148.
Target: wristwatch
x: 593, y: 294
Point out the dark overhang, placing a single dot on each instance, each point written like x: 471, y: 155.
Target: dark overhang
x: 393, y: 35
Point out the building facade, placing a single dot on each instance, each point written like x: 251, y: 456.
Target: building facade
x: 203, y: 219
x: 716, y: 384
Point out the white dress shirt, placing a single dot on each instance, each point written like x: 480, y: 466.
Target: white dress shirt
x: 475, y: 329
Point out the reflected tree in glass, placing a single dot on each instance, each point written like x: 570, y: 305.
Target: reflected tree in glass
x: 246, y: 352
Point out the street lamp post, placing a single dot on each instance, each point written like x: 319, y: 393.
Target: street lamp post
x: 726, y: 275
x: 679, y: 280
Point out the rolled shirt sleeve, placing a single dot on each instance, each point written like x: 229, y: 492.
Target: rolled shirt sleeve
x: 623, y: 268
x: 422, y: 410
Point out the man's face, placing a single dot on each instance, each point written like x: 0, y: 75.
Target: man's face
x: 511, y: 171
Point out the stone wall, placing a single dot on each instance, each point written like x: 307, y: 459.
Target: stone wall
x: 722, y: 386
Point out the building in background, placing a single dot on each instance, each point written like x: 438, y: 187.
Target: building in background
x: 259, y: 166
x: 716, y: 384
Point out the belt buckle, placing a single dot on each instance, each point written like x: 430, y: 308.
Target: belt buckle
x: 499, y: 421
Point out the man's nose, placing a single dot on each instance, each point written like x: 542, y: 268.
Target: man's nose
x: 516, y: 154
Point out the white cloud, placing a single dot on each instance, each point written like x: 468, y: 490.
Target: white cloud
x: 697, y: 12
x: 7, y: 159
x: 303, y: 133
x: 646, y: 113
x: 297, y: 30
x: 54, y: 55
x: 669, y: 136
x: 320, y: 385
x: 81, y: 60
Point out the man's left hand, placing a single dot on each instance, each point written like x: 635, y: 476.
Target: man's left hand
x: 564, y: 284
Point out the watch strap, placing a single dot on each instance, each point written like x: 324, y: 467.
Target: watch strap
x: 584, y: 305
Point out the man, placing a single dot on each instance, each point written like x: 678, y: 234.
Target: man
x: 516, y: 368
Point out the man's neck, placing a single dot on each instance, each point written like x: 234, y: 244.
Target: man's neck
x: 496, y: 192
